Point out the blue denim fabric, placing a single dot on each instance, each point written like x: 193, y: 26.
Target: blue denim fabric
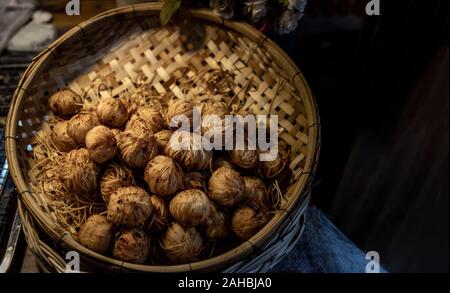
x: 323, y: 248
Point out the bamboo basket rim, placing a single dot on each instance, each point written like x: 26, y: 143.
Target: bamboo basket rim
x: 239, y: 253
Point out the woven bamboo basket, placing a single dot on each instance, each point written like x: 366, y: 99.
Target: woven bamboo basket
x: 120, y: 46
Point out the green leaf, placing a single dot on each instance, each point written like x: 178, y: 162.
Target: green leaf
x: 168, y: 9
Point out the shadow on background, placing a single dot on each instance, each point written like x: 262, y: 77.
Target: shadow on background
x: 382, y: 88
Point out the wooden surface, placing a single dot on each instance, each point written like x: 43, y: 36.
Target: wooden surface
x: 396, y: 185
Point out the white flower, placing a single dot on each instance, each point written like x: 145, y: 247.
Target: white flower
x: 298, y: 5
x: 257, y: 9
x: 287, y: 22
